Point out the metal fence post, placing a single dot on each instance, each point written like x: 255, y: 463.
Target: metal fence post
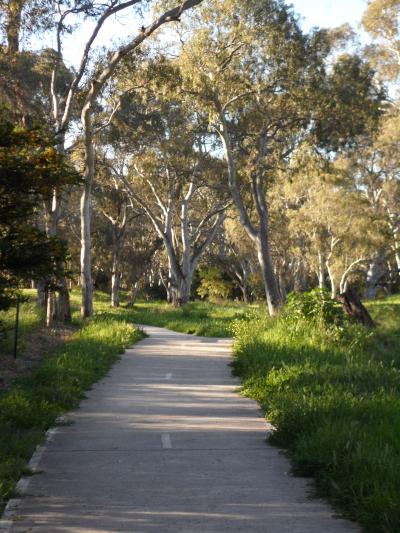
x: 16, y: 330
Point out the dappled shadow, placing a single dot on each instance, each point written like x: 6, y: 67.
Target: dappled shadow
x: 166, y: 444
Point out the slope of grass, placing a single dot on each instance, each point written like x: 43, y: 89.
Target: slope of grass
x: 334, y: 396
x: 198, y: 318
x: 32, y: 405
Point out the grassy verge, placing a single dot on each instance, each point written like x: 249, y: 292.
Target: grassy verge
x: 334, y: 396
x: 198, y: 318
x: 31, y: 406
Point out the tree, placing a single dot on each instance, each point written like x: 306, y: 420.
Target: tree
x: 30, y: 167
x: 265, y: 87
x: 381, y: 21
x: 177, y: 184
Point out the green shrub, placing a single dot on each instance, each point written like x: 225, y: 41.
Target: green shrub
x: 316, y: 306
x: 213, y: 285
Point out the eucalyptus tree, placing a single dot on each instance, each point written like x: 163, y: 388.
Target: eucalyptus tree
x: 180, y: 188
x: 266, y: 87
x: 112, y: 201
x: 375, y: 167
x: 381, y: 20
x: 82, y: 94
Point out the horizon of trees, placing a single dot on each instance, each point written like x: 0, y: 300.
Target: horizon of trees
x: 236, y: 156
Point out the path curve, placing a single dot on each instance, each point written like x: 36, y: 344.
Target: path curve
x: 165, y: 444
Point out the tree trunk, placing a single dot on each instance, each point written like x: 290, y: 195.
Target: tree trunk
x: 41, y: 294
x: 86, y: 260
x: 63, y: 307
x: 116, y: 269
x: 270, y: 284
x: 51, y: 308
x: 181, y: 291
x: 374, y: 275
x: 245, y: 292
x: 86, y: 270
x: 13, y: 26
x: 282, y: 287
x: 353, y: 307
x: 321, y: 271
x: 133, y: 296
x: 332, y: 281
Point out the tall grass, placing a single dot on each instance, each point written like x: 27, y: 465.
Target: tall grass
x: 333, y: 394
x: 30, y: 318
x: 31, y: 406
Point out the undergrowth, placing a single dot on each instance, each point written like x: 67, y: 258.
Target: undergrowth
x: 332, y: 390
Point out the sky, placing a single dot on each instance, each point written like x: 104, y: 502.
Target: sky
x: 321, y: 13
x: 326, y: 13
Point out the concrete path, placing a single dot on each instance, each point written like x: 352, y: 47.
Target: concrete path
x: 165, y: 444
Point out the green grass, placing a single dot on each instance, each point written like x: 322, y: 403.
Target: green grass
x: 198, y: 318
x: 58, y: 384
x: 333, y: 394
x: 334, y: 397
x: 30, y: 318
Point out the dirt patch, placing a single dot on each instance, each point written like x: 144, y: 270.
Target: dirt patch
x: 37, y: 345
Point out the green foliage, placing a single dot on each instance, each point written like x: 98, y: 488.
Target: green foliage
x: 316, y: 306
x: 213, y: 285
x: 30, y: 169
x: 334, y: 401
x: 30, y: 317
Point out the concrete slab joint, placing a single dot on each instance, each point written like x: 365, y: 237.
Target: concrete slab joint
x: 165, y: 444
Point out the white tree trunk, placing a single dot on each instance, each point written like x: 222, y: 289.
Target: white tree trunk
x: 116, y: 266
x: 332, y: 281
x: 374, y: 274
x: 321, y: 270
x: 86, y: 264
x: 259, y: 235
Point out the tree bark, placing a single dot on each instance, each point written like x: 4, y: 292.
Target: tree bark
x: 86, y: 260
x: 13, y: 26
x: 272, y: 294
x: 41, y: 294
x: 353, y: 307
x: 181, y: 290
x: 321, y: 271
x: 116, y: 268
x: 374, y: 275
x: 259, y: 235
x: 63, y: 307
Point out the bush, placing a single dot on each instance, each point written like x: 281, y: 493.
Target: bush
x: 316, y: 306
x: 213, y: 285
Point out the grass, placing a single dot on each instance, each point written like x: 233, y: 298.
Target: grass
x: 198, y: 318
x: 30, y: 318
x: 58, y: 384
x: 333, y: 395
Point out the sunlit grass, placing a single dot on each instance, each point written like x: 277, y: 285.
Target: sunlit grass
x: 58, y: 384
x: 334, y: 397
x: 198, y: 318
